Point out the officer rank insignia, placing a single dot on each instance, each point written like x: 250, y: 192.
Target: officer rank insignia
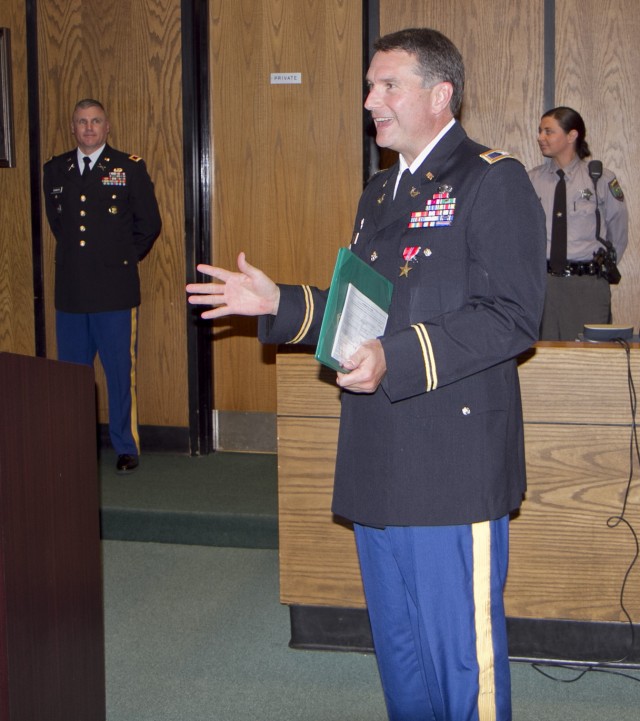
x: 117, y: 176
x: 438, y: 212
x: 492, y: 156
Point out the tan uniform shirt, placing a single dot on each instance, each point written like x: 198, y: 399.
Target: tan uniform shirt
x: 581, y: 208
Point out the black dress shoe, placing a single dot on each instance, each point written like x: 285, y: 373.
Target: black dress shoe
x: 126, y: 463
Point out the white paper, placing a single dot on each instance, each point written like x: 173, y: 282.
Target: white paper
x: 361, y: 320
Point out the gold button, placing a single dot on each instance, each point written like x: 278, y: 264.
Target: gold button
x: 126, y: 262
x: 82, y: 228
x: 83, y: 243
x: 113, y: 197
x: 83, y: 213
x: 83, y: 198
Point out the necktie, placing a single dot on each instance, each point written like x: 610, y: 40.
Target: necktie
x: 404, y: 186
x: 87, y: 161
x: 558, y: 254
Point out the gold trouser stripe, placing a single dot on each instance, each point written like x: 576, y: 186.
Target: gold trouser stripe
x: 427, y: 354
x: 481, y: 533
x: 308, y: 315
x: 133, y: 378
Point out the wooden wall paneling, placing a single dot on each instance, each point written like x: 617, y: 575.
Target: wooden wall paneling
x: 60, y: 51
x: 128, y: 55
x: 287, y: 158
x: 16, y: 284
x: 502, y: 47
x: 597, y: 69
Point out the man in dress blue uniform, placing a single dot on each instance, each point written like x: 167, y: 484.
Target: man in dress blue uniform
x: 103, y: 212
x: 430, y: 456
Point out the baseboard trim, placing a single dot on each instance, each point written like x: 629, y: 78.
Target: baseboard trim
x: 169, y: 439
x: 580, y: 642
x: 328, y: 628
x: 233, y: 431
x: 535, y: 640
x: 248, y: 432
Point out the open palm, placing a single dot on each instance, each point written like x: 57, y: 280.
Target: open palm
x: 247, y: 292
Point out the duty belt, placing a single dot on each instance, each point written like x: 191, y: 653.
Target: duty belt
x: 576, y: 269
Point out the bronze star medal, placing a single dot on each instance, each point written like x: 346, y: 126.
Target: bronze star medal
x: 408, y: 254
x: 404, y: 270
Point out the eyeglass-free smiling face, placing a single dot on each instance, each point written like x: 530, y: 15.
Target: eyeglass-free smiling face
x: 407, y: 115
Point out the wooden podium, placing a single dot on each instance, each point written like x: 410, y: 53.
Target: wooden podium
x: 51, y: 613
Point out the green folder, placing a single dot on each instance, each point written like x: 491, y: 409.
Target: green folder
x: 357, y: 306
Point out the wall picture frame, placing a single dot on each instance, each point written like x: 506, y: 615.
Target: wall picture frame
x: 7, y: 152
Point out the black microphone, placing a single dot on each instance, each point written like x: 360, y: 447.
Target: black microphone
x: 595, y: 170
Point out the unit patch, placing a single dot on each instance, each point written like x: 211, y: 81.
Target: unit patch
x: 616, y: 190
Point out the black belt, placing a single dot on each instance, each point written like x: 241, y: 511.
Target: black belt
x: 577, y: 269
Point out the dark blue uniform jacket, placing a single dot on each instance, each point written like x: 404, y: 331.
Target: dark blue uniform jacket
x: 104, y: 225
x: 441, y: 440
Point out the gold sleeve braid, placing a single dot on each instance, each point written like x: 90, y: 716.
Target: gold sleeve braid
x: 308, y: 315
x: 427, y: 354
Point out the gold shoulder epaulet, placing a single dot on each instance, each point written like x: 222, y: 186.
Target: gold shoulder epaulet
x: 492, y: 156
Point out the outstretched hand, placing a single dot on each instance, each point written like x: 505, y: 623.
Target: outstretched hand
x: 248, y: 292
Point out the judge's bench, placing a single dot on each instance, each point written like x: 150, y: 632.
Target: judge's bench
x: 573, y: 589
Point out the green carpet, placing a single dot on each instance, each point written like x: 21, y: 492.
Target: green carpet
x: 195, y: 630
x: 223, y: 499
x: 197, y: 633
